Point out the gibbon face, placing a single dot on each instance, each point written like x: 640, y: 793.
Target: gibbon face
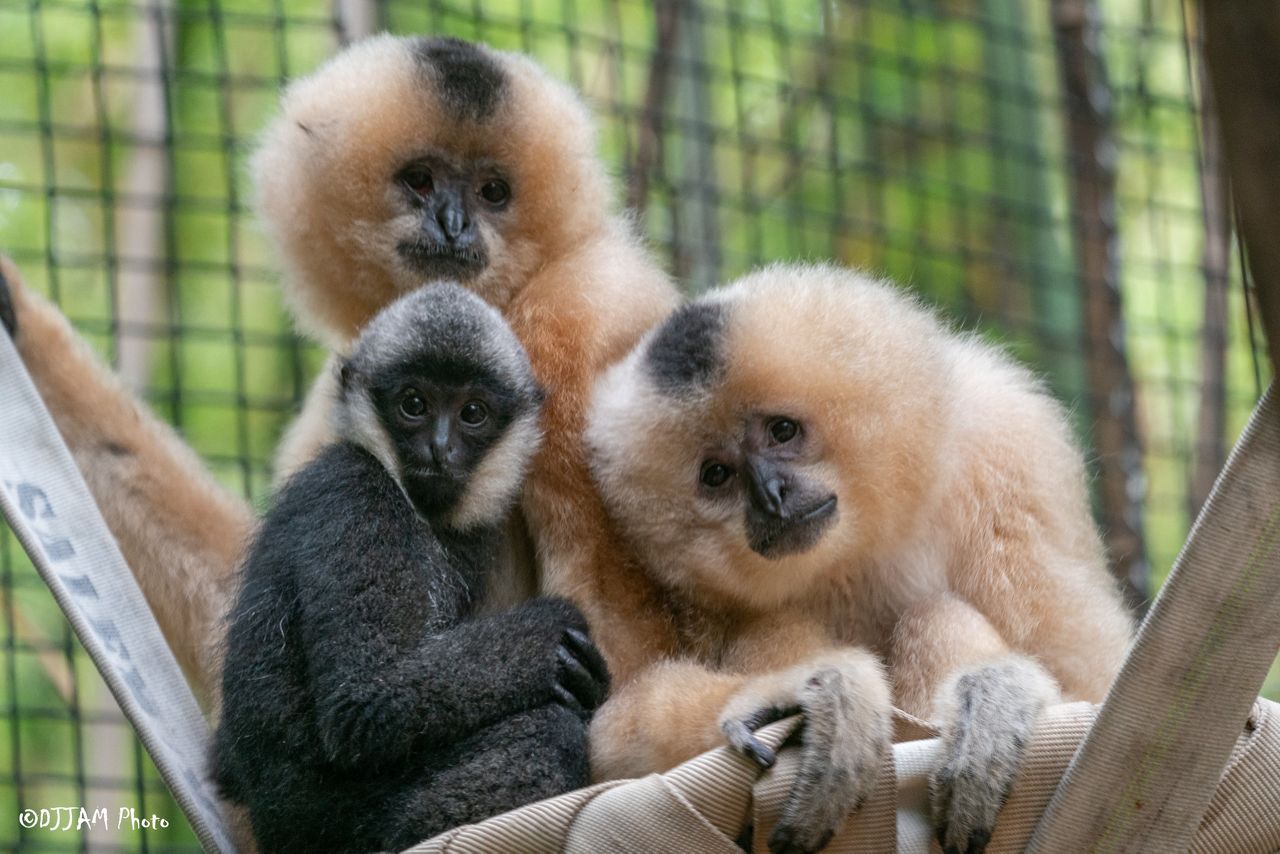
x: 774, y: 433
x: 442, y: 393
x: 408, y: 160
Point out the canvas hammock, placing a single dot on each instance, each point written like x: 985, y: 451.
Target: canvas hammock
x: 1181, y: 755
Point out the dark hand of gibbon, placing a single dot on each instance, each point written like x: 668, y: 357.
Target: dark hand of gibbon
x: 583, y: 678
x: 8, y: 319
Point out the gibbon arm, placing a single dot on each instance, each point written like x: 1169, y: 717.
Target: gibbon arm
x: 572, y: 332
x: 676, y: 709
x: 179, y: 530
x: 377, y: 699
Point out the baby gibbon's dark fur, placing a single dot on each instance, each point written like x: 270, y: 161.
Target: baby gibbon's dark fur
x: 366, y: 705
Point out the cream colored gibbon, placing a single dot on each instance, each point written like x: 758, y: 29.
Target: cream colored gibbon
x: 822, y: 477
x: 400, y: 162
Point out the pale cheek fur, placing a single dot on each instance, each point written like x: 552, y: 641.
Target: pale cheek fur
x: 495, y: 482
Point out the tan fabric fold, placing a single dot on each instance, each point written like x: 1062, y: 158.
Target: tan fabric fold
x: 706, y: 804
x: 1145, y: 776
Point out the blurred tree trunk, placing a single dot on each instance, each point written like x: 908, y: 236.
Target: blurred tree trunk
x: 1242, y: 46
x: 141, y: 289
x: 648, y: 157
x: 695, y: 208
x: 1038, y: 264
x: 1215, y: 205
x: 1091, y: 151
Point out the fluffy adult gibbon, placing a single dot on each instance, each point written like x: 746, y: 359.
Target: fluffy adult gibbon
x: 366, y: 704
x: 399, y: 162
x: 823, y: 478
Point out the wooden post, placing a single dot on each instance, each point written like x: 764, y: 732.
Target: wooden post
x: 1242, y: 45
x: 1092, y: 154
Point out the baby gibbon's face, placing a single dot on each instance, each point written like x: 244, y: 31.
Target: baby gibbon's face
x: 441, y: 392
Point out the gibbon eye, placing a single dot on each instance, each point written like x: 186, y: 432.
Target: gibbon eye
x: 413, y: 406
x: 715, y: 474
x: 473, y: 413
x: 419, y: 180
x: 783, y: 430
x: 495, y: 192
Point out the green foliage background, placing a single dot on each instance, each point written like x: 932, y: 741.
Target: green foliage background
x: 920, y: 140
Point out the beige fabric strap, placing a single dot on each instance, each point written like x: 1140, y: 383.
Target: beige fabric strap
x: 1147, y: 772
x: 704, y: 805
x: 47, y: 503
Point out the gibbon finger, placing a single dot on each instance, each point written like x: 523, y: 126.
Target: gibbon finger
x: 842, y: 744
x: 581, y: 645
x: 996, y: 708
x: 577, y: 680
x: 8, y: 318
x: 741, y: 733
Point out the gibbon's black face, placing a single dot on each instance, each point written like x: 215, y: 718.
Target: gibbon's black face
x: 440, y: 391
x: 786, y: 512
x: 450, y: 200
x: 441, y: 428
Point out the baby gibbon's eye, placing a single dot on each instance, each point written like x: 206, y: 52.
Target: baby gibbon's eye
x: 783, y: 430
x: 412, y: 405
x: 473, y: 413
x: 495, y: 192
x: 715, y: 474
x: 419, y: 180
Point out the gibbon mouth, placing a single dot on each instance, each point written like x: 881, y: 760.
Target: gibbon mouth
x: 772, y: 537
x: 438, y: 261
x: 429, y: 474
x: 431, y: 491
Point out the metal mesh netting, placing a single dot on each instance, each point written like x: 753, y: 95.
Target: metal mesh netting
x: 1049, y: 175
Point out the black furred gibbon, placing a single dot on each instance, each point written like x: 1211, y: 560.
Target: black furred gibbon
x: 366, y: 704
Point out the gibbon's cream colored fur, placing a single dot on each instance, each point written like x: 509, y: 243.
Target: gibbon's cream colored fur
x: 571, y: 278
x: 962, y: 553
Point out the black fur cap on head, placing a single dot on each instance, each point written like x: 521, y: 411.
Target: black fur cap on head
x: 470, y: 81
x: 686, y: 352
x: 452, y: 330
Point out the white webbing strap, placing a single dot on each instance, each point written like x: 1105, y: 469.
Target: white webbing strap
x: 47, y: 503
x: 1146, y: 773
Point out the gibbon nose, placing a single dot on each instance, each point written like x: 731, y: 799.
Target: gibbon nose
x: 453, y: 220
x: 769, y: 488
x: 441, y: 444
